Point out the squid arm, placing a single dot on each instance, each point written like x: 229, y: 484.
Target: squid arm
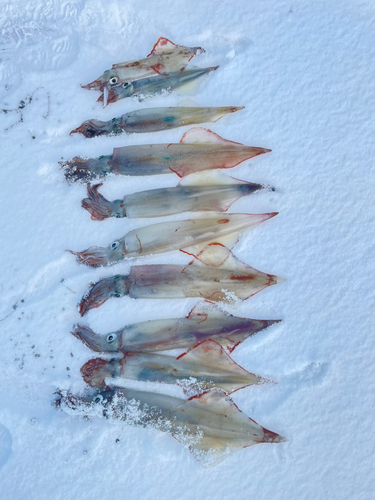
x: 190, y: 236
x: 210, y: 425
x: 204, y: 191
x: 186, y: 82
x: 199, y: 149
x: 154, y: 120
x: 215, y: 275
x: 164, y: 57
x: 204, y: 322
x: 205, y: 367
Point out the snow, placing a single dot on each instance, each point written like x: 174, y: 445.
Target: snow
x: 305, y: 72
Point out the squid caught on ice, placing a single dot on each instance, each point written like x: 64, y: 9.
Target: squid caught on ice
x: 205, y: 191
x: 189, y: 236
x: 186, y: 82
x: 165, y: 58
x: 199, y: 149
x: 216, y: 276
x: 204, y: 322
x: 210, y: 425
x: 154, y: 120
x: 205, y: 367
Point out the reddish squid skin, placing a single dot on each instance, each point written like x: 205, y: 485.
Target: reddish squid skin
x: 199, y: 149
x: 164, y: 57
x: 229, y: 280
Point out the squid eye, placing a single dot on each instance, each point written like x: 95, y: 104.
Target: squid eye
x: 117, y: 294
x: 98, y: 399
x: 113, y: 80
x: 118, y: 215
x: 114, y: 245
x: 126, y: 85
x: 111, y: 337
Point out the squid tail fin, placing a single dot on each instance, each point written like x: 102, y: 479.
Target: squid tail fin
x: 216, y: 443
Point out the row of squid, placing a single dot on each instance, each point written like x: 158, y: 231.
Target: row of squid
x: 208, y: 423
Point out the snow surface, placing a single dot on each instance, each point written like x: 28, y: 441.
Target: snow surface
x: 305, y: 72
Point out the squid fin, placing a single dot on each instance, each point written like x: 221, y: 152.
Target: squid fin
x: 191, y: 87
x: 214, y: 178
x: 212, y: 355
x: 207, y: 310
x: 188, y: 103
x: 217, y: 255
x: 211, y: 178
x: 160, y: 69
x: 162, y: 45
x: 230, y: 239
x: 200, y: 135
x: 215, y: 444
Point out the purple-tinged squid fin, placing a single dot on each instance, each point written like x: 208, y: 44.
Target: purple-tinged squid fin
x: 205, y: 310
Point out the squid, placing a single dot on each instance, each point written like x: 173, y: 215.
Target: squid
x: 186, y: 82
x: 216, y: 275
x: 204, y: 322
x: 154, y: 120
x: 210, y: 425
x: 206, y: 191
x: 164, y: 58
x: 199, y: 149
x: 205, y: 367
x: 185, y: 235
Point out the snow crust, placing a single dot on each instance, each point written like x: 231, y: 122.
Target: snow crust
x: 305, y: 72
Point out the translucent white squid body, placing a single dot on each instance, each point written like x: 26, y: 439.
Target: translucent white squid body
x: 154, y: 120
x: 210, y: 425
x: 189, y: 236
x: 216, y: 276
x: 205, y: 191
x: 204, y: 322
x: 165, y: 58
x: 199, y: 149
x: 205, y: 367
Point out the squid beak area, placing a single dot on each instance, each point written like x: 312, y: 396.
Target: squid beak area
x: 95, y: 85
x: 109, y: 96
x: 92, y: 257
x: 99, y: 293
x: 65, y: 399
x: 94, y: 372
x: 91, y: 339
x: 90, y: 128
